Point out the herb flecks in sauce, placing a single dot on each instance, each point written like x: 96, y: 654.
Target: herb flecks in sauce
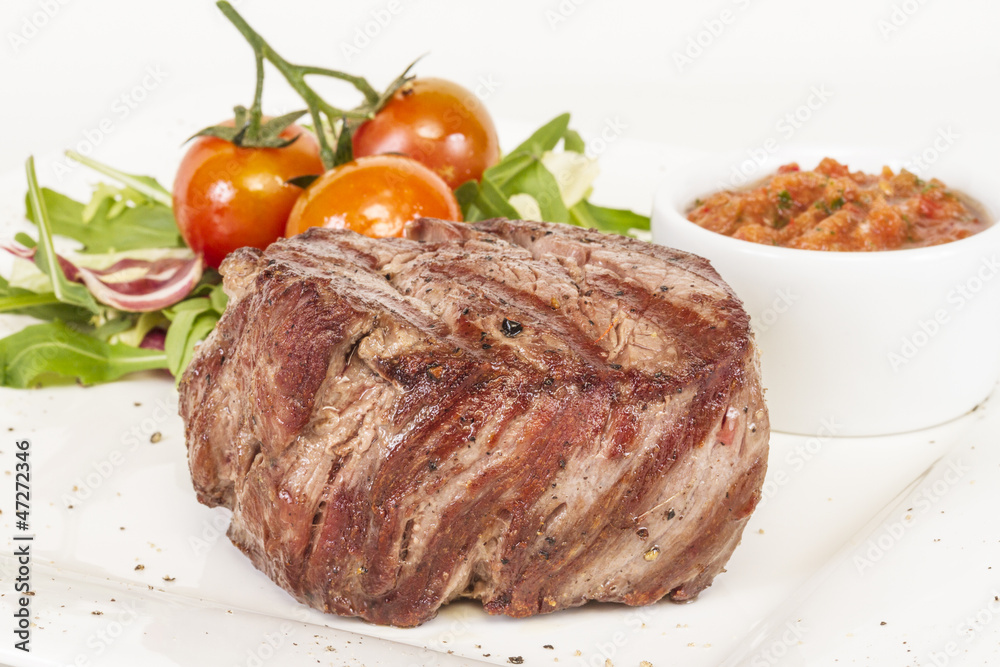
x: 833, y: 208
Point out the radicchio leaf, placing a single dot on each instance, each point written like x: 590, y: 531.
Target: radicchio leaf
x: 132, y: 285
x: 154, y: 340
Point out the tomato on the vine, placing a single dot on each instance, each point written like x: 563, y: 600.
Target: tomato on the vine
x: 438, y: 123
x: 375, y: 196
x: 227, y: 197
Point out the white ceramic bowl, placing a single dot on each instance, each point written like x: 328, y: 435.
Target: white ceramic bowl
x: 857, y: 343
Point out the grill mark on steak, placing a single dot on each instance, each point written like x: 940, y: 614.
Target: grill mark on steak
x: 483, y: 298
x: 442, y: 444
x: 644, y: 298
x: 319, y: 517
x: 404, y: 542
x: 485, y: 293
x: 492, y: 487
x: 533, y: 475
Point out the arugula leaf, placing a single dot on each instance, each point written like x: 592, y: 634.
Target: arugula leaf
x: 544, y: 139
x: 142, y: 325
x: 523, y: 171
x: 13, y: 299
x: 45, y: 255
x: 210, y: 280
x: 44, y: 306
x: 115, y: 326
x: 137, y: 215
x: 572, y: 141
x: 26, y: 240
x: 466, y: 195
x: 203, y: 325
x: 528, y: 153
x: 539, y: 182
x: 490, y: 202
x: 509, y: 167
x: 198, y: 305
x: 613, y: 220
x: 53, y: 352
x: 119, y: 198
x: 144, y: 185
x: 218, y: 299
x: 178, y: 333
x: 145, y: 225
x: 76, y: 344
x: 191, y: 322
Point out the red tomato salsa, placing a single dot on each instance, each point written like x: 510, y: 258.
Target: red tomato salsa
x: 833, y: 208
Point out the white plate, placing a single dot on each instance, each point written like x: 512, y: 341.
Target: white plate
x: 196, y: 600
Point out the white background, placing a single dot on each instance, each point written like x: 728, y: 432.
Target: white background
x: 898, y: 72
x: 898, y: 75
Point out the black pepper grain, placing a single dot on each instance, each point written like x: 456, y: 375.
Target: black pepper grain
x: 510, y: 328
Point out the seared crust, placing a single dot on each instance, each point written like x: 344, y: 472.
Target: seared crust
x: 386, y: 446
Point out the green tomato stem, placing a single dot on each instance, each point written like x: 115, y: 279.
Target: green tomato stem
x: 253, y: 131
x: 371, y: 95
x: 323, y: 114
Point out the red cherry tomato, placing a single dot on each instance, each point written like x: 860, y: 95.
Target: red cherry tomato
x: 375, y: 196
x: 438, y: 123
x: 227, y: 197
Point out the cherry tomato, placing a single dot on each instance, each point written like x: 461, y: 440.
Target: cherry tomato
x: 227, y: 197
x: 437, y: 123
x: 375, y: 196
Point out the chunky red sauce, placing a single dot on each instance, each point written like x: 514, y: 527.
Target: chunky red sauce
x: 833, y: 208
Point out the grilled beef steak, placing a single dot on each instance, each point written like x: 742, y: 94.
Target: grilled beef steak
x: 533, y: 415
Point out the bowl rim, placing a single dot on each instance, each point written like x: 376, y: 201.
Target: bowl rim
x: 666, y: 203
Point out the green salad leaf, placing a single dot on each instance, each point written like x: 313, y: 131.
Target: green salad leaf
x: 185, y: 332
x: 536, y: 182
x: 136, y: 215
x: 104, y: 225
x: 139, y: 324
x: 484, y: 200
x: 41, y: 305
x: 144, y: 186
x: 218, y: 298
x: 45, y: 255
x: 544, y: 138
x: 84, y: 341
x: 611, y: 220
x: 190, y: 323
x: 52, y: 352
x: 572, y: 141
